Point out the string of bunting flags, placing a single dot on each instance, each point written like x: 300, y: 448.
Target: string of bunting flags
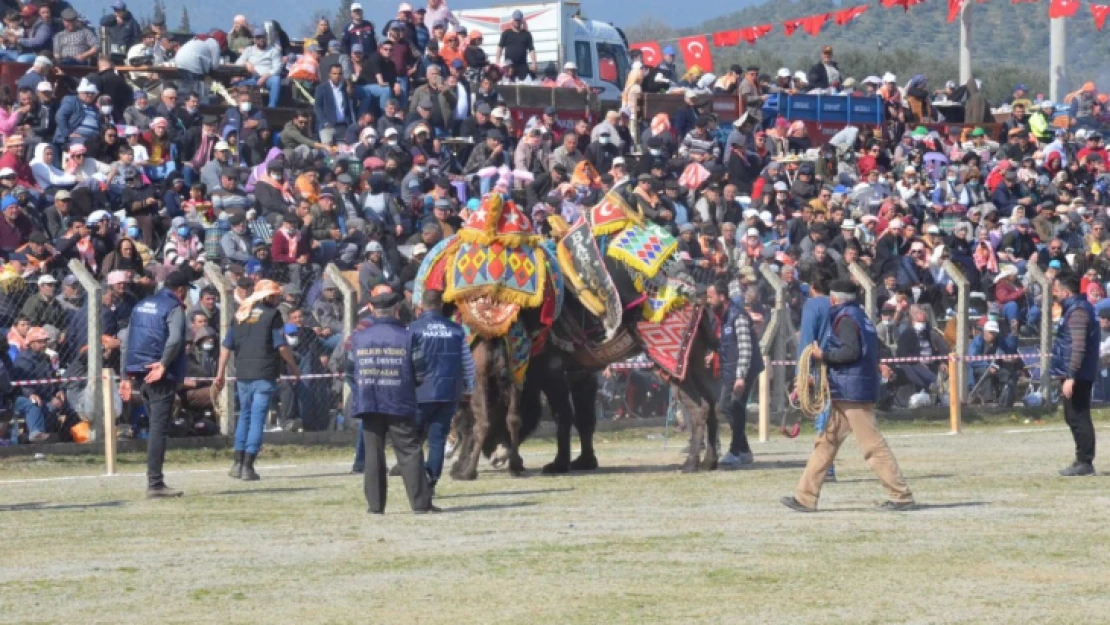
x: 696, y: 49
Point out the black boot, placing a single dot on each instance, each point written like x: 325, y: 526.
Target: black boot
x: 237, y: 466
x: 249, y: 474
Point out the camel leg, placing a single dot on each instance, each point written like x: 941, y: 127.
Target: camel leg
x: 463, y: 426
x: 709, y: 462
x: 696, y: 414
x: 557, y: 391
x: 514, y: 424
x: 467, y: 466
x: 584, y: 395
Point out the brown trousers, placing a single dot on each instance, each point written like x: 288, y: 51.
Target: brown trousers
x: 845, y: 417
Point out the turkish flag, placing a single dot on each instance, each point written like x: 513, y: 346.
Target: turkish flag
x: 1100, y: 12
x: 752, y: 34
x: 954, y: 7
x: 726, y: 38
x: 905, y: 4
x: 695, y: 51
x: 653, y: 54
x: 1063, y: 8
x: 789, y: 26
x: 814, y: 23
x: 847, y: 15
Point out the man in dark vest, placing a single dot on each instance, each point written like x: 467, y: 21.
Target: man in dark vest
x: 851, y: 353
x: 384, y: 366
x: 1075, y: 350
x: 448, y: 375
x: 258, y: 340
x: 740, y: 364
x: 156, y: 359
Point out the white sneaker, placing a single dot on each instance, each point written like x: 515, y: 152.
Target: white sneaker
x: 449, y: 449
x: 746, y: 458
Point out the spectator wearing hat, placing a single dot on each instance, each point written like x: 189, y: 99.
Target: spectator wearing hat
x: 358, y: 31
x: 43, y: 308
x: 385, y: 399
x: 263, y: 61
x: 569, y: 78
x: 75, y: 44
x: 258, y: 341
x: 994, y: 381
x: 235, y: 244
x: 517, y: 48
x: 332, y: 107
x: 36, y: 37
x: 122, y: 28
x: 600, y: 153
x: 58, y: 215
x: 15, y: 226
x: 155, y: 363
x: 39, y: 72
x: 376, y: 269
x: 1010, y: 194
x: 141, y: 113
x: 37, y: 404
x: 825, y: 73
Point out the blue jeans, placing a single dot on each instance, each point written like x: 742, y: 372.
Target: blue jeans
x: 254, y: 404
x: 273, y: 85
x: 1012, y: 312
x: 367, y: 94
x: 34, y: 415
x: 11, y: 56
x: 435, y: 418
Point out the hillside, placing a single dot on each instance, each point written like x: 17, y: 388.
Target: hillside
x: 1010, y: 42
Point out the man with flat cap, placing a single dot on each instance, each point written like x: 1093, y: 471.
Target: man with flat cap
x: 851, y: 353
x: 384, y: 367
x: 155, y: 360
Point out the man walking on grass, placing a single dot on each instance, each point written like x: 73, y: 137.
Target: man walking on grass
x: 1075, y: 350
x: 852, y: 355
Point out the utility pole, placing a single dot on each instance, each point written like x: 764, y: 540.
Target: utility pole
x: 965, y: 41
x: 1057, y: 59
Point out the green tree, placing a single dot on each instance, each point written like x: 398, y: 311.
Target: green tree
x: 159, y: 13
x: 183, y: 26
x: 342, y: 17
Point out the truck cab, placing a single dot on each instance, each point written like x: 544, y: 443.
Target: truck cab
x: 560, y: 34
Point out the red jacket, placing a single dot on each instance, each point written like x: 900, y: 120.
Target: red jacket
x: 1006, y: 292
x: 23, y: 175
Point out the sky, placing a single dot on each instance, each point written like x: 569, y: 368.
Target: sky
x: 293, y: 16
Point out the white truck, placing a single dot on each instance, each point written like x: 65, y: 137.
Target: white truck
x: 560, y: 34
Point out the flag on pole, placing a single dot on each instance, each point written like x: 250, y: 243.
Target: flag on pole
x: 695, y: 51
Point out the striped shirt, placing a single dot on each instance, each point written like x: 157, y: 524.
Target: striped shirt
x: 68, y: 44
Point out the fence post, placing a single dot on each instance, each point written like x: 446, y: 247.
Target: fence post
x: 765, y: 344
x: 784, y: 331
x: 227, y: 309
x: 955, y: 406
x: 350, y: 309
x: 1046, y: 324
x: 107, y: 401
x: 870, y: 305
x: 94, y: 350
x: 962, y: 294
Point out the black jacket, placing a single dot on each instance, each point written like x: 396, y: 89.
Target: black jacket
x: 818, y: 76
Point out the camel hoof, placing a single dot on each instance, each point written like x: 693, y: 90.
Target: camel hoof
x: 558, y: 467
x: 516, y: 467
x: 584, y: 463
x: 691, y: 465
x: 709, y: 463
x: 465, y: 476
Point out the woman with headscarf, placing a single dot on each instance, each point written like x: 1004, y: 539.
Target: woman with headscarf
x: 125, y: 257
x: 918, y: 101
x: 49, y: 177
x: 163, y: 152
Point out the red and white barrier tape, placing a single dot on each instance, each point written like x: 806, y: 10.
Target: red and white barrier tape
x: 625, y: 366
x: 48, y: 381
x: 307, y: 376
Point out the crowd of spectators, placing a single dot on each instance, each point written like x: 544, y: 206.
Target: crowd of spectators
x: 406, y: 131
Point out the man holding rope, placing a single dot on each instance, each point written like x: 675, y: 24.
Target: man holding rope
x: 852, y: 356
x: 258, y: 339
x: 813, y: 329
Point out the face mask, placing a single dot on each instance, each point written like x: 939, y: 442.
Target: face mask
x: 656, y: 152
x: 637, y: 65
x: 106, y: 110
x: 132, y: 232
x: 391, y: 142
x: 208, y: 346
x: 292, y: 340
x: 973, y: 183
x: 277, y: 175
x: 183, y: 232
x: 245, y: 107
x: 420, y: 170
x: 190, y: 109
x: 603, y: 140
x: 919, y: 326
x: 952, y: 180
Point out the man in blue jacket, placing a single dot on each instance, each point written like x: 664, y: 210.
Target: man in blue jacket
x: 851, y: 353
x: 814, y: 329
x: 448, y: 376
x: 156, y: 359
x: 994, y: 379
x: 333, y: 107
x: 741, y: 364
x: 1075, y: 350
x: 384, y: 367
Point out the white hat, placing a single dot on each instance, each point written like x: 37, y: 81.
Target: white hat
x: 570, y: 65
x: 895, y: 223
x: 888, y: 77
x: 781, y: 186
x: 1005, y: 271
x: 47, y: 279
x: 991, y: 326
x: 910, y: 169
x: 619, y: 161
x: 391, y: 132
x: 98, y: 216
x: 130, y: 131
x: 419, y: 248
x: 800, y: 75
x: 44, y: 87
x: 1048, y: 104
x: 751, y: 212
x: 784, y: 72
x: 848, y: 224
x: 43, y: 60
x: 872, y: 80
x: 766, y: 217
x: 87, y: 87
x: 500, y: 111
x: 368, y: 132
x: 753, y: 232
x: 222, y: 146
x: 932, y: 229
x: 917, y: 245
x: 355, y: 6
x: 7, y: 171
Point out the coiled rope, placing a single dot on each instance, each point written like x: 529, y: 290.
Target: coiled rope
x: 812, y: 384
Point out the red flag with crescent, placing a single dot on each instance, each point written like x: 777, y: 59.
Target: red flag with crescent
x: 653, y: 54
x: 695, y: 51
x: 726, y: 38
x: 954, y: 7
x: 905, y: 4
x: 752, y: 34
x: 1100, y: 11
x: 847, y: 15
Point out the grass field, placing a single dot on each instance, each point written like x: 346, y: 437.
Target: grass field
x: 1000, y: 539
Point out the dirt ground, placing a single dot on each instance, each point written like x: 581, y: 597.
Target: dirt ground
x: 1000, y: 539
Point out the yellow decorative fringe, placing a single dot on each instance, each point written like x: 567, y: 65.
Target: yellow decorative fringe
x: 497, y: 292
x: 481, y: 237
x: 657, y: 316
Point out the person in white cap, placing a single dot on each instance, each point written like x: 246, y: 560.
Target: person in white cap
x: 993, y: 380
x: 845, y: 237
x: 43, y: 308
x: 40, y: 71
x: 569, y: 78
x: 210, y: 173
x: 784, y: 82
x: 78, y: 118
